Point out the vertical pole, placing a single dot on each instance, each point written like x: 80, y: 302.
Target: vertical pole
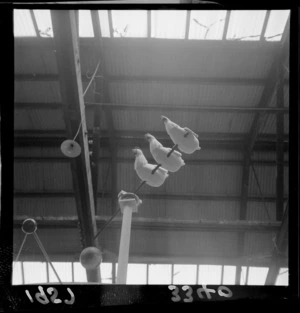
x: 124, y: 245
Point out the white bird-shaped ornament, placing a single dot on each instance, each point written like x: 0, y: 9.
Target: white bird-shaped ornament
x: 186, y: 140
x: 172, y: 163
x: 144, y: 170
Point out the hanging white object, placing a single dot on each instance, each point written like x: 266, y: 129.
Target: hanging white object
x: 144, y: 170
x: 172, y: 163
x: 185, y: 138
x: 70, y: 148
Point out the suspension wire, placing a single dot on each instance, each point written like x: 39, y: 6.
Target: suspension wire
x: 117, y: 211
x: 20, y: 250
x: 84, y: 93
x: 45, y: 254
x: 261, y: 195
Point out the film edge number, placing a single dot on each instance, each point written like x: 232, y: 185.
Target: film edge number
x: 43, y: 299
x: 222, y: 291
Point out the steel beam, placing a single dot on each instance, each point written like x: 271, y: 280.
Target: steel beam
x: 68, y: 61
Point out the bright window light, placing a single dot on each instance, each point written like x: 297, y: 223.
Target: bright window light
x: 283, y: 277
x: 184, y: 274
x: 129, y: 23
x: 85, y: 24
x: 229, y: 273
x: 137, y: 274
x: 44, y: 23
x: 63, y: 269
x: 35, y: 272
x: 257, y: 275
x: 79, y: 273
x: 244, y: 273
x: 276, y: 24
x: 106, y: 273
x: 168, y: 24
x: 246, y: 25
x: 159, y: 274
x: 17, y: 273
x: 210, y: 274
x: 104, y: 25
x: 207, y: 24
x: 23, y: 24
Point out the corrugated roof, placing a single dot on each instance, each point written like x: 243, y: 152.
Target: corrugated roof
x: 258, y: 244
x: 183, y: 243
x: 38, y: 119
x: 37, y: 92
x: 146, y: 57
x: 269, y: 126
x: 199, y: 122
x: 29, y: 60
x: 144, y: 93
x: 45, y: 206
x: 41, y: 176
x: 267, y: 180
x: 256, y: 211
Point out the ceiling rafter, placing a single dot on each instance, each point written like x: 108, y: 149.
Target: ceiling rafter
x: 161, y: 79
x: 150, y: 107
x: 68, y: 61
x: 162, y: 224
x: 152, y: 196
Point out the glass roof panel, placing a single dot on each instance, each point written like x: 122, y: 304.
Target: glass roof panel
x: 85, y: 24
x: 207, y: 24
x: 131, y: 23
x: 23, y: 25
x: 246, y: 25
x: 276, y: 24
x: 168, y: 24
x: 104, y: 25
x: 44, y: 23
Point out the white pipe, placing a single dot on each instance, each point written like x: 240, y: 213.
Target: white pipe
x: 124, y: 245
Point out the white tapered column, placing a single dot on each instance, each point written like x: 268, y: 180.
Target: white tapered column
x: 127, y: 206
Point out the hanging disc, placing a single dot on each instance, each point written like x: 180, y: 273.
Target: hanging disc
x: 70, y: 148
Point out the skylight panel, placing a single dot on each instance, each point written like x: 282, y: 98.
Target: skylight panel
x: 63, y: 270
x: 79, y: 273
x: 283, y: 277
x: 160, y: 274
x: 137, y: 274
x: 106, y: 273
x: 207, y: 24
x: 245, y: 25
x: 184, y: 274
x: 35, y: 272
x: 23, y: 24
x: 131, y: 23
x: 168, y: 24
x: 229, y: 273
x: 104, y: 24
x: 210, y: 274
x: 244, y: 273
x: 257, y: 275
x: 44, y: 23
x: 17, y: 273
x: 85, y: 24
x: 276, y: 25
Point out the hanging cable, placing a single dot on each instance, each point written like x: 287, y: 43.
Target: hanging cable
x: 87, y: 88
x: 45, y: 254
x: 20, y: 250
